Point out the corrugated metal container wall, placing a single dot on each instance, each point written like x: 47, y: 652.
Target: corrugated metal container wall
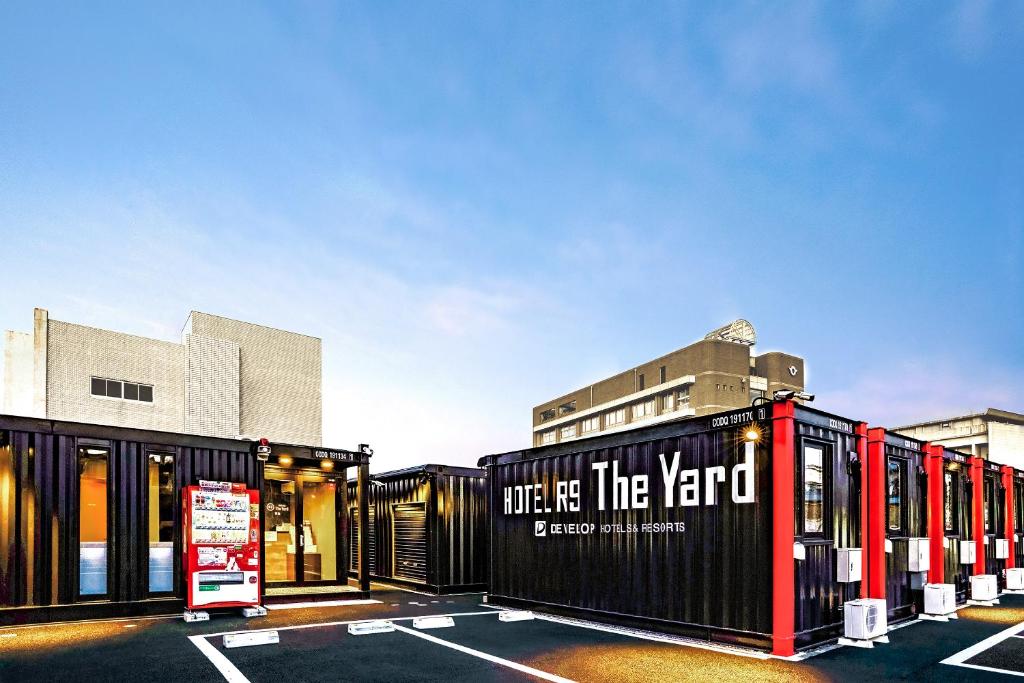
x: 819, y: 594
x: 633, y: 550
x: 462, y: 532
x: 1018, y: 515
x: 994, y: 519
x: 450, y: 553
x: 958, y: 517
x: 905, y: 518
x: 39, y: 509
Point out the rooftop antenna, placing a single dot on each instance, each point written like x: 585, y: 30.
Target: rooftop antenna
x: 738, y: 332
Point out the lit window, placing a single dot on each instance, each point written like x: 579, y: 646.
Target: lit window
x: 814, y: 461
x: 895, y: 491
x: 161, y: 522
x: 92, y: 521
x: 547, y: 437
x: 615, y: 417
x: 569, y: 432
x: 948, y: 502
x: 591, y: 424
x: 643, y: 410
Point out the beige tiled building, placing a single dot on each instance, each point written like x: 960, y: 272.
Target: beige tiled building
x: 714, y: 374
x: 996, y: 435
x: 225, y: 378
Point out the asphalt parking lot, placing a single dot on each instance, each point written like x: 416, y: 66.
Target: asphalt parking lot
x: 986, y: 643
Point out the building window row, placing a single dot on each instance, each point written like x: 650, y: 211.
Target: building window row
x: 129, y: 391
x: 643, y: 410
x: 547, y: 437
x: 591, y: 424
x: 569, y: 432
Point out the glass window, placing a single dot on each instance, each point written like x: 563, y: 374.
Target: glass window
x: 814, y: 462
x: 642, y: 410
x: 988, y: 504
x: 615, y: 417
x: 145, y: 393
x: 99, y: 387
x: 641, y: 387
x: 319, y: 529
x: 668, y: 403
x: 161, y: 522
x: 547, y: 437
x: 895, y: 495
x: 131, y: 391
x: 661, y: 374
x: 92, y: 521
x: 113, y: 388
x: 8, y: 497
x: 591, y: 424
x: 949, y: 502
x: 569, y: 432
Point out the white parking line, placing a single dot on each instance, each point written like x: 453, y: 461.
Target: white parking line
x: 228, y: 670
x: 544, y: 675
x: 341, y: 623
x: 322, y: 603
x: 960, y: 658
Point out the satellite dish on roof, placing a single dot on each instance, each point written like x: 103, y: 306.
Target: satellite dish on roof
x: 738, y: 331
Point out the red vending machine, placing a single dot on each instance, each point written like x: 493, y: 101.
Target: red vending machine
x: 222, y: 548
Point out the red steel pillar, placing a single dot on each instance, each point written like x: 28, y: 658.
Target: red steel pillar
x: 978, y: 532
x: 936, y: 513
x: 876, y: 513
x: 862, y: 455
x: 783, y: 570
x: 1007, y: 473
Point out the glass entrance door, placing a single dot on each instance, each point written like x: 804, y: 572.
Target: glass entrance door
x: 301, y: 526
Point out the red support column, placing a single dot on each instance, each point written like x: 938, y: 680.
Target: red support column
x: 936, y: 513
x: 783, y: 577
x: 876, y: 513
x: 978, y: 531
x: 1007, y: 473
x: 862, y: 455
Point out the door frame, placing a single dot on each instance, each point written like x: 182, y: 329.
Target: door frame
x: 300, y: 476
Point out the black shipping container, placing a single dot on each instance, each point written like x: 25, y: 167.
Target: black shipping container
x: 899, y: 481
x: 957, y: 520
x: 993, y: 520
x: 725, y: 527
x: 428, y: 528
x: 81, y: 535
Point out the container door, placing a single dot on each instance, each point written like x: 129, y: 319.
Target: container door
x: 410, y: 539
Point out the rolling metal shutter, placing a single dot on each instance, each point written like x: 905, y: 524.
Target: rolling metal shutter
x: 353, y: 540
x: 411, y: 542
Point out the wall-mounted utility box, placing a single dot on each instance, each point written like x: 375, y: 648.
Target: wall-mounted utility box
x: 968, y: 552
x: 848, y: 565
x: 917, y: 556
x: 1002, y: 548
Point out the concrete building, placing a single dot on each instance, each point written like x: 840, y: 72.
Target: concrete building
x: 714, y: 374
x: 996, y: 435
x: 225, y: 378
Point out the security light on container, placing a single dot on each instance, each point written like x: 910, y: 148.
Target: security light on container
x: 752, y: 433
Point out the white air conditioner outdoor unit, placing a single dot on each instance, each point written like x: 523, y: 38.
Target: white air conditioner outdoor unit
x: 1002, y: 548
x: 864, y: 618
x: 984, y: 587
x: 1015, y: 579
x: 939, y: 598
x: 918, y: 556
x: 848, y: 565
x: 968, y: 552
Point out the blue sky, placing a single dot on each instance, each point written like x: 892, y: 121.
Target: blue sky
x: 480, y: 206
